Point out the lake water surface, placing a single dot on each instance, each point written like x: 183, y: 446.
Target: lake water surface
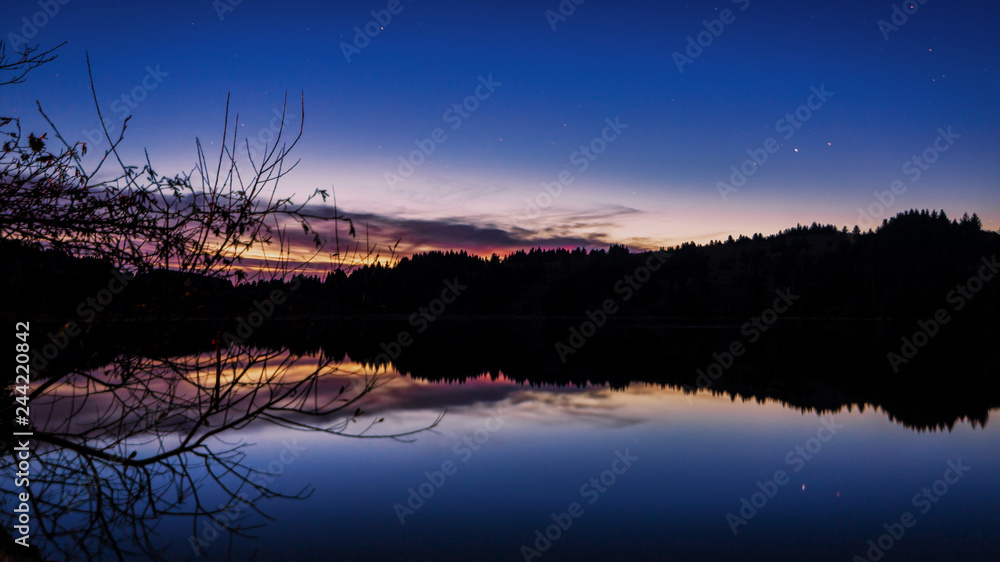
x: 645, y: 473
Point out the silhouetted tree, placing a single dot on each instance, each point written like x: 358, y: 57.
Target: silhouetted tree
x: 140, y: 220
x: 15, y: 66
x: 120, y: 447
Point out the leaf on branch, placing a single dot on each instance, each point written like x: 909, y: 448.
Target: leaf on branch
x: 36, y: 144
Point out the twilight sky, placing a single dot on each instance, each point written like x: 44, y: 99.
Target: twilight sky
x: 487, y: 104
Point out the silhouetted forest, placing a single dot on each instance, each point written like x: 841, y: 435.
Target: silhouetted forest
x: 904, y: 270
x: 858, y: 295
x: 809, y: 365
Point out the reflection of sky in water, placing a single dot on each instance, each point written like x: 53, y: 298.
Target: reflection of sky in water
x: 696, y: 460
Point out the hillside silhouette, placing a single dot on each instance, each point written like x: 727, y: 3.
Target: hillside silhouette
x: 904, y: 270
x: 858, y: 296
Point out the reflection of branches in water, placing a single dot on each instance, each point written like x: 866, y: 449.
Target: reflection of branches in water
x: 121, y: 448
x: 117, y: 450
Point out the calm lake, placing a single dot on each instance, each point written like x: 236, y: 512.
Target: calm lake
x: 653, y: 474
x: 767, y: 463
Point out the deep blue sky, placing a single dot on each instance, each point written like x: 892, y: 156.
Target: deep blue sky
x: 655, y: 184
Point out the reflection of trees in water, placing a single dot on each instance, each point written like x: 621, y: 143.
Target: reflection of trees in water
x: 117, y: 450
x: 815, y: 367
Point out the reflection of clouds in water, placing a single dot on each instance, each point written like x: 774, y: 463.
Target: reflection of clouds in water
x: 551, y: 405
x: 403, y: 393
x: 399, y: 396
x: 571, y: 405
x: 598, y: 405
